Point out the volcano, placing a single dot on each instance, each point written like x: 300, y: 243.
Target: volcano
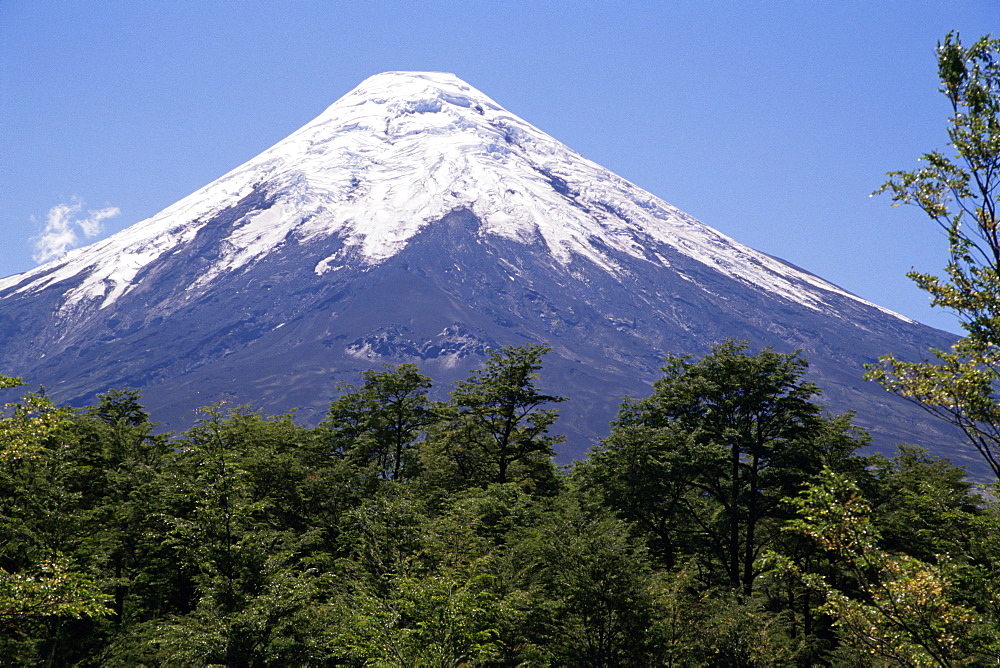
x: 417, y: 220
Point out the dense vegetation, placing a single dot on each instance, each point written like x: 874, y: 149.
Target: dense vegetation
x: 725, y: 521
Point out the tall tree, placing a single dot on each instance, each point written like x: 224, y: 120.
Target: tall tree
x: 592, y: 582
x: 495, y: 420
x: 960, y: 193
x: 380, y: 422
x: 116, y: 438
x: 41, y: 584
x: 705, y: 461
x: 898, y: 607
x: 233, y: 494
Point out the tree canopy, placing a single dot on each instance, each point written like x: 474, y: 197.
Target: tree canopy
x: 251, y: 540
x: 960, y: 192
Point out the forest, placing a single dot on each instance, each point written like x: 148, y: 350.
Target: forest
x: 726, y: 520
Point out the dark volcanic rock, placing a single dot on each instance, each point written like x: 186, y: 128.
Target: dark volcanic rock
x: 417, y: 221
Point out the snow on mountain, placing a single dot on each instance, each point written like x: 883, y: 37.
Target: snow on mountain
x: 400, y: 151
x: 416, y: 220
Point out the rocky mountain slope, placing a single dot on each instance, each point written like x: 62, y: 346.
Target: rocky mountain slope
x: 417, y: 220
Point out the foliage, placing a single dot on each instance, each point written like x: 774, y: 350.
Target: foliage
x: 448, y: 618
x: 592, y: 583
x: 380, y: 422
x: 40, y: 585
x: 52, y: 588
x: 901, y: 608
x: 923, y: 506
x: 401, y: 532
x: 697, y: 626
x: 704, y: 462
x: 494, y: 430
x: 961, y: 193
x: 26, y: 424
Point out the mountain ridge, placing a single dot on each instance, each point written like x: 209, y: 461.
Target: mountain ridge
x: 415, y: 219
x: 373, y: 236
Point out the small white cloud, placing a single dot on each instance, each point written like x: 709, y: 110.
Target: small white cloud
x: 66, y: 228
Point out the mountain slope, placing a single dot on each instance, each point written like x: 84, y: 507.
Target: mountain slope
x: 417, y: 220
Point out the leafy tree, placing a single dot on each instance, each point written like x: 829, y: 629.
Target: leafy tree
x: 233, y: 493
x: 902, y: 608
x: 41, y: 585
x: 693, y: 626
x: 593, y: 590
x: 52, y: 588
x: 383, y: 533
x: 923, y: 506
x: 250, y: 511
x: 646, y: 473
x: 705, y: 461
x: 119, y: 489
x: 960, y: 193
x: 446, y: 618
x: 120, y: 407
x: 380, y: 422
x: 494, y: 429
x: 423, y: 580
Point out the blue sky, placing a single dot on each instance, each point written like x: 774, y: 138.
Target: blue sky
x: 769, y: 121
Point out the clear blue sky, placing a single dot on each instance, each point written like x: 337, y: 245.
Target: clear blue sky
x: 769, y: 121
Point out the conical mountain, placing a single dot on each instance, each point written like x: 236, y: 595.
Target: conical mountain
x: 418, y: 220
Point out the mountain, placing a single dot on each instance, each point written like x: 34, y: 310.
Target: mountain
x: 418, y: 220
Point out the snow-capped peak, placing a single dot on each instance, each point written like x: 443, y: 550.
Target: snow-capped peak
x: 396, y: 154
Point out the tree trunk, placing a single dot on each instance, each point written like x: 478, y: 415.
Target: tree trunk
x: 734, y: 518
x: 748, y: 548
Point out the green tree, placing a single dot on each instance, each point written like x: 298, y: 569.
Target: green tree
x: 923, y: 506
x: 898, y: 607
x: 693, y: 626
x: 705, y: 461
x: 381, y: 422
x: 249, y: 513
x: 118, y: 488
x: 960, y: 193
x: 591, y: 584
x: 42, y: 587
x: 50, y: 588
x: 247, y: 551
x: 421, y: 583
x: 494, y: 428
x: 444, y: 618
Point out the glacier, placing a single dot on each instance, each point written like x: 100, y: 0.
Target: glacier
x: 402, y: 150
x: 417, y: 220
